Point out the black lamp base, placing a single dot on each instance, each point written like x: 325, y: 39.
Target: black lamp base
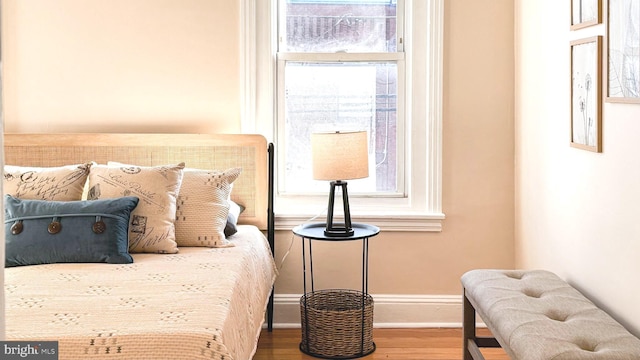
x: 338, y: 230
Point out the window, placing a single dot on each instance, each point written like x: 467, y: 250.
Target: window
x: 322, y: 89
x: 343, y: 64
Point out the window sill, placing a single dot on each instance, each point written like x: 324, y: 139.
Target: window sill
x: 386, y: 222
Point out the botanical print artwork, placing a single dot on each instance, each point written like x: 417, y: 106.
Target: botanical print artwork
x: 624, y: 49
x: 584, y: 93
x: 584, y: 11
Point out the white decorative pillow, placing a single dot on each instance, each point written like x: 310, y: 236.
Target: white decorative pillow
x: 63, y: 183
x: 151, y: 227
x: 203, y: 207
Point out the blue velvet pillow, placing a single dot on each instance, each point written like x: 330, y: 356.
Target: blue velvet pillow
x: 45, y: 232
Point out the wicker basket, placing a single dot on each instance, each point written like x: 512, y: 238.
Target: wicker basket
x: 337, y: 324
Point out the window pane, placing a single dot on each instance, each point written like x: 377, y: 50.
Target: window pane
x: 341, y: 96
x: 340, y: 25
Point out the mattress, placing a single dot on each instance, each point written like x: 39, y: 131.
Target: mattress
x: 202, y: 303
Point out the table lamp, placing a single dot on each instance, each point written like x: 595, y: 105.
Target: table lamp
x: 339, y: 156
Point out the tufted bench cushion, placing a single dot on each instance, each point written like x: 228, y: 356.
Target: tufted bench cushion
x: 535, y: 315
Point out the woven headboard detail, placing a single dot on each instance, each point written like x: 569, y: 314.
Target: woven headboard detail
x: 202, y: 151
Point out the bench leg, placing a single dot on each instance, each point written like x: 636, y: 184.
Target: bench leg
x: 469, y: 347
x: 471, y: 342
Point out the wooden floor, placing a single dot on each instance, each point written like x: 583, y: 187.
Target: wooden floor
x: 391, y: 344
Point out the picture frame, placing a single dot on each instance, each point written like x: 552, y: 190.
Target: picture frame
x: 623, y: 52
x: 586, y: 94
x: 585, y: 13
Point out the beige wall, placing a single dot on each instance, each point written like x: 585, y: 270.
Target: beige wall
x: 121, y: 66
x: 151, y: 65
x: 577, y: 211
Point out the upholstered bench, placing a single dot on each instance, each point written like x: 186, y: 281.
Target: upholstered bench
x: 535, y: 315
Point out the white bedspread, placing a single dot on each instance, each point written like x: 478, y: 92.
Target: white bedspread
x: 201, y: 303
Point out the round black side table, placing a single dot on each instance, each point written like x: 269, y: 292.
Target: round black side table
x: 336, y: 323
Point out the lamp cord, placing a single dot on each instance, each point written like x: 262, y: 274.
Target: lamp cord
x: 284, y: 257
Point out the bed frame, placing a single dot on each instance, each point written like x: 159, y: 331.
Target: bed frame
x: 253, y: 189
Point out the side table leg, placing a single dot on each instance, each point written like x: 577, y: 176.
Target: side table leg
x: 304, y: 345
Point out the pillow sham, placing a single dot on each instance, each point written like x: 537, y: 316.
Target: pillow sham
x: 63, y: 183
x: 232, y: 219
x: 46, y: 232
x: 151, y: 227
x: 203, y: 207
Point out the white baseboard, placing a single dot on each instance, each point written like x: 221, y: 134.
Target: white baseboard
x: 390, y: 311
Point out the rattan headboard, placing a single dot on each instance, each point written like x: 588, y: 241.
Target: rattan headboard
x: 203, y: 151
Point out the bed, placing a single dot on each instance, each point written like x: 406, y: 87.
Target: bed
x: 202, y: 300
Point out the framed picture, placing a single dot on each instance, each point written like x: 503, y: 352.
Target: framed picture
x: 585, y: 13
x: 586, y: 93
x: 623, y: 51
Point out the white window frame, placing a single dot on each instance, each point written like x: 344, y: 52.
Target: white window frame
x: 421, y: 210
x: 397, y: 58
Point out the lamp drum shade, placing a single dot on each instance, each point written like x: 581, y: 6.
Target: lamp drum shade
x: 340, y: 155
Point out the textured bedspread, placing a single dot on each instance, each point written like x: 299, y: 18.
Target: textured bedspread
x: 201, y: 303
